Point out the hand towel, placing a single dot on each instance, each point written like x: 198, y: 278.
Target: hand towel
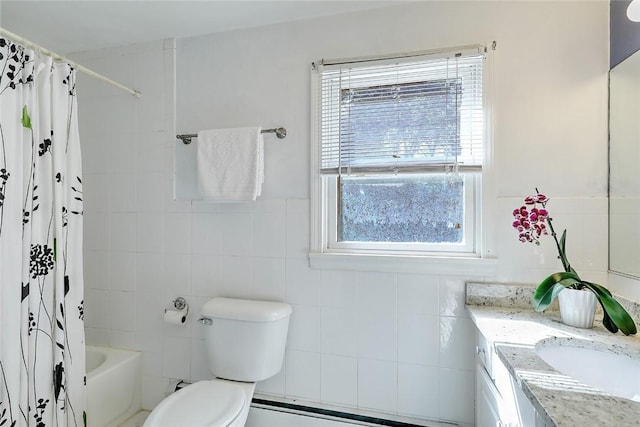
x: 230, y: 164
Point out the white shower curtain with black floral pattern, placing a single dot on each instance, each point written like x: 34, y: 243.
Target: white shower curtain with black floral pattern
x: 41, y: 289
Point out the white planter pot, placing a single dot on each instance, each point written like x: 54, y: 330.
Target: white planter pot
x: 577, y: 307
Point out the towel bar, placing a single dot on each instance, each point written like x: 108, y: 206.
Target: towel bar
x: 281, y: 133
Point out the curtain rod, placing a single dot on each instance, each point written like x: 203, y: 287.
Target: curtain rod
x: 58, y: 57
x: 470, y: 47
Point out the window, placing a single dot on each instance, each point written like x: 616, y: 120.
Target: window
x: 398, y: 151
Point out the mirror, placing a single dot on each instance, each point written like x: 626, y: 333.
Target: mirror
x: 624, y: 167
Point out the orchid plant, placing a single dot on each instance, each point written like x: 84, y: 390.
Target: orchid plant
x: 532, y: 221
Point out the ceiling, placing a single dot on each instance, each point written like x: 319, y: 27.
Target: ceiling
x: 79, y: 25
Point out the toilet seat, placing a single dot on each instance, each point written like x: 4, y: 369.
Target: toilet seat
x: 211, y: 403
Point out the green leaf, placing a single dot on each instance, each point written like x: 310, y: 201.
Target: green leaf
x: 550, y: 287
x: 607, y: 322
x: 612, y: 308
x: 26, y: 120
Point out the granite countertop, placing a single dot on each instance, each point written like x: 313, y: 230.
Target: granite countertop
x: 504, y: 315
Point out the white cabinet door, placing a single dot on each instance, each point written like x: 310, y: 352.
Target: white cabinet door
x: 487, y: 400
x: 500, y: 402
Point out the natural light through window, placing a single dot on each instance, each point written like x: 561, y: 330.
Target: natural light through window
x: 400, y: 147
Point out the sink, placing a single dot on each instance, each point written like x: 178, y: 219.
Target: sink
x: 612, y: 369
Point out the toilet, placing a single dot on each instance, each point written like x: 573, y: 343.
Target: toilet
x: 244, y: 342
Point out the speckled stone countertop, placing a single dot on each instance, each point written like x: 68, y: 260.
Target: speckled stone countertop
x: 504, y: 315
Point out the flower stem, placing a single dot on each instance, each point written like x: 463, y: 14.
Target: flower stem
x: 560, y: 245
x: 561, y: 254
x: 561, y: 251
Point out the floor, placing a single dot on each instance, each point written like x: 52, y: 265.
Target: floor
x: 259, y: 417
x: 137, y: 420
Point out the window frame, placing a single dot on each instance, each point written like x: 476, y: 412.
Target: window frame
x: 324, y: 194
x: 471, y: 182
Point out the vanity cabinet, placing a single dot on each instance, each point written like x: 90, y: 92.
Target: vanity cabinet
x: 500, y: 402
x: 487, y: 400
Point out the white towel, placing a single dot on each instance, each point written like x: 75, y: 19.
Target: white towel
x: 230, y: 164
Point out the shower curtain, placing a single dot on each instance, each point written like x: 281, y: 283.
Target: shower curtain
x: 41, y: 289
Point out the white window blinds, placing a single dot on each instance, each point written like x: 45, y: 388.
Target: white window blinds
x: 405, y: 115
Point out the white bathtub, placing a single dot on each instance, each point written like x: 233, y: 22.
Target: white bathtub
x: 114, y: 385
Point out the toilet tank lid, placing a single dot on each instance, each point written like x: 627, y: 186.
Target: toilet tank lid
x: 248, y: 310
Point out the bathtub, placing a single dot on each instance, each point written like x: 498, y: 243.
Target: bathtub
x: 114, y: 389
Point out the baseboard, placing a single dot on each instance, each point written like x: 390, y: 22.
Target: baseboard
x: 318, y: 410
x: 338, y: 414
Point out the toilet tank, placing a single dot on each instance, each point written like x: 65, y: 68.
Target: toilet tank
x: 245, y: 339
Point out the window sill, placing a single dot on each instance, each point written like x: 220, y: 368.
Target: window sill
x: 461, y: 266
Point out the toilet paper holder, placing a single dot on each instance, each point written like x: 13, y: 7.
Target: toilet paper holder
x: 180, y: 303
x: 179, y: 315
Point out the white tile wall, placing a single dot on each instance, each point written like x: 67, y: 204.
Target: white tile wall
x: 303, y: 374
x: 456, y: 387
x: 276, y: 384
x: 378, y: 385
x: 176, y: 357
x: 339, y: 380
x: 177, y: 233
x: 236, y: 276
x: 395, y: 342
x: 206, y: 279
x: 236, y: 233
x: 456, y: 342
x: 418, y: 294
x: 303, y: 283
x: 269, y: 279
x: 304, y: 331
x: 205, y: 234
x: 339, y: 332
x: 149, y: 272
x: 149, y: 232
x: 377, y: 335
x: 339, y: 289
x: 418, y: 336
x: 123, y: 232
x: 418, y: 390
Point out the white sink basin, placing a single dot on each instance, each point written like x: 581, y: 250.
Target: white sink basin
x: 612, y: 369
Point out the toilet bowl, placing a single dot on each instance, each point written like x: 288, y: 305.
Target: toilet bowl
x: 245, y: 343
x: 212, y: 403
